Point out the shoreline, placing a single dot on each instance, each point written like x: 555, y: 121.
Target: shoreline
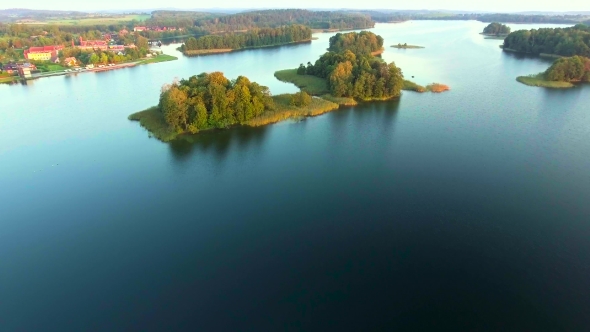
x: 145, y: 61
x: 231, y: 50
x: 153, y: 121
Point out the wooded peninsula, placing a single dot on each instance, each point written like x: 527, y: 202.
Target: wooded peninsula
x: 252, y: 39
x: 554, y: 41
x: 562, y: 73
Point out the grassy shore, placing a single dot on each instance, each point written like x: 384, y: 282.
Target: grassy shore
x: 8, y: 79
x: 434, y: 87
x: 284, y: 110
x: 406, y: 46
x: 313, y: 85
x: 539, y: 81
x: 158, y: 58
x: 153, y: 121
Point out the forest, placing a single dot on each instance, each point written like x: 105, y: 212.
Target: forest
x: 364, y: 42
x: 497, y: 29
x: 572, y: 69
x: 560, y: 41
x: 279, y: 17
x: 358, y: 75
x: 252, y: 38
x: 212, y: 101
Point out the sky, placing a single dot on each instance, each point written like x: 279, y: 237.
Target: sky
x: 463, y: 5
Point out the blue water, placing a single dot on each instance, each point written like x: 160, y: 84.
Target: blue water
x: 466, y: 210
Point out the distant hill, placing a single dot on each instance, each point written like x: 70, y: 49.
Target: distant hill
x: 16, y: 14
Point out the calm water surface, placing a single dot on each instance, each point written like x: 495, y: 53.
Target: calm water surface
x: 467, y: 210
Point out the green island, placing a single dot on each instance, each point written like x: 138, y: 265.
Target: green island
x: 406, y: 46
x: 496, y: 30
x: 211, y: 101
x: 550, y: 41
x: 339, y: 77
x: 255, y: 38
x: 349, y: 72
x: 563, y: 73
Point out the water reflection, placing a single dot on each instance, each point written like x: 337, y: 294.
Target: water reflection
x: 218, y: 142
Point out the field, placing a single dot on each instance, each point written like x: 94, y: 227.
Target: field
x: 539, y: 81
x: 99, y: 20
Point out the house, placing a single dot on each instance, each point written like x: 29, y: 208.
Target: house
x: 24, y: 72
x: 123, y: 32
x: 10, y: 68
x: 44, y: 53
x: 27, y: 65
x: 142, y: 28
x: 70, y: 62
x: 93, y: 44
x: 89, y: 66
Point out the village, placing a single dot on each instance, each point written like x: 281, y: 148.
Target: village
x: 86, y: 55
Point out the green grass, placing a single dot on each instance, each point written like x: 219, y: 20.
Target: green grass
x: 539, y: 81
x: 284, y: 110
x: 342, y: 101
x: 406, y: 46
x: 313, y: 85
x: 115, y: 19
x: 7, y: 79
x: 152, y: 120
x: 159, y: 58
x: 411, y: 86
x: 50, y: 67
x: 434, y: 87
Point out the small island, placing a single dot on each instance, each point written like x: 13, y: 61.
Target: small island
x: 349, y: 72
x: 211, y: 101
x: 496, y: 30
x: 255, y: 38
x: 563, y: 73
x: 406, y: 46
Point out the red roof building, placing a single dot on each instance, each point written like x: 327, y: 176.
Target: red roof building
x: 44, y: 53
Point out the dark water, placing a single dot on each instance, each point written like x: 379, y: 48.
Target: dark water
x: 467, y: 210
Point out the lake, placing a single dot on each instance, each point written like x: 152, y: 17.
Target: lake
x: 467, y: 210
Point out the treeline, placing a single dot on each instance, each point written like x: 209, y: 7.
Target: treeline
x: 253, y: 38
x: 496, y: 28
x: 97, y: 56
x: 179, y: 19
x: 279, y: 17
x: 572, y: 69
x: 390, y: 16
x: 364, y: 42
x: 358, y: 75
x: 212, y: 101
x: 560, y: 41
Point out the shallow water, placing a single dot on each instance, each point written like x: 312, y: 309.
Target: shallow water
x: 467, y: 209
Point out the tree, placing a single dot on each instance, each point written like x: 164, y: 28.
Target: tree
x: 301, y: 70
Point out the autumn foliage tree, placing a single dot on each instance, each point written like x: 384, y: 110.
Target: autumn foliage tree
x: 212, y: 101
x: 574, y: 69
x: 351, y: 71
